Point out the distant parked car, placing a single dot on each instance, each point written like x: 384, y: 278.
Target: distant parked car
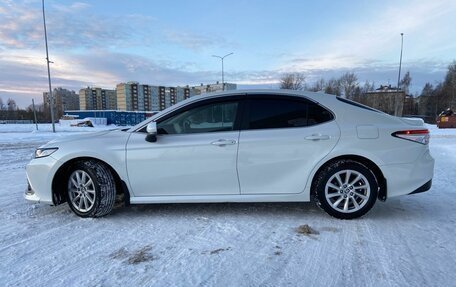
x: 241, y: 146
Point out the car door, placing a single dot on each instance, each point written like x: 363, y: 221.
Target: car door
x: 195, y: 152
x: 282, y: 139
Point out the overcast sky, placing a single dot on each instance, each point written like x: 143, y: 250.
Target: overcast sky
x: 102, y: 43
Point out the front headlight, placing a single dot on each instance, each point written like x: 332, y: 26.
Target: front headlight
x: 42, y: 152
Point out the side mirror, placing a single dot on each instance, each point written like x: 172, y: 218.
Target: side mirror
x: 151, y: 132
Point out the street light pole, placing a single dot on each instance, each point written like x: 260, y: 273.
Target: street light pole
x: 34, y: 113
x: 51, y: 98
x: 222, y: 58
x: 400, y: 62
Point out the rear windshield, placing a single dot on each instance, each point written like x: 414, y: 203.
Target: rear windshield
x: 357, y: 105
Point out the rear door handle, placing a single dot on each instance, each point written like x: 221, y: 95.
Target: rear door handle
x: 223, y: 142
x: 317, y: 137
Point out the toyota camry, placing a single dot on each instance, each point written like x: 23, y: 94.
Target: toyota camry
x: 240, y: 146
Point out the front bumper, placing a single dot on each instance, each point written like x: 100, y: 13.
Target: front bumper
x: 40, y: 173
x: 30, y: 194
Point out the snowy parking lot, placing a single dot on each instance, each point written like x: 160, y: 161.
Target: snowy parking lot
x: 406, y: 241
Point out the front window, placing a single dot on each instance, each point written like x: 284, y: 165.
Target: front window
x: 214, y: 117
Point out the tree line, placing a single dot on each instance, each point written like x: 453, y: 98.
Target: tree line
x: 347, y: 85
x: 429, y: 103
x: 440, y: 96
x: 10, y: 111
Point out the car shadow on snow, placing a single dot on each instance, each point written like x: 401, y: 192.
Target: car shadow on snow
x: 222, y: 209
x: 401, y: 208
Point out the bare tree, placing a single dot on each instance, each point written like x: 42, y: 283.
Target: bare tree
x: 2, y: 106
x: 427, y: 90
x: 292, y: 81
x: 368, y: 87
x: 332, y: 87
x: 405, y: 82
x: 317, y: 86
x: 11, y: 105
x: 349, y: 81
x: 358, y: 94
x: 449, y: 85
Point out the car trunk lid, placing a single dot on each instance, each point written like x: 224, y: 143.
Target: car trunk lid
x: 417, y: 122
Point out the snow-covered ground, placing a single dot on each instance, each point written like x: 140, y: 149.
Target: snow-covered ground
x: 407, y: 241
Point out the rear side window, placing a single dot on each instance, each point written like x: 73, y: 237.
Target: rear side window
x: 317, y: 115
x: 285, y: 113
x: 358, y: 105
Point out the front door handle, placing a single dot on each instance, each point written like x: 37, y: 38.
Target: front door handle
x: 317, y: 137
x: 223, y: 142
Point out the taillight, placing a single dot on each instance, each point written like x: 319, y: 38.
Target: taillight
x: 419, y: 136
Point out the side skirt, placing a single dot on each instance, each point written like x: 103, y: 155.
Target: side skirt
x: 303, y: 197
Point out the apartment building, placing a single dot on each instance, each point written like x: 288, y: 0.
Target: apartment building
x: 132, y: 96
x: 93, y: 98
x: 63, y: 100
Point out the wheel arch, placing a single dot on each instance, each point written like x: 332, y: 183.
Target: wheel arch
x: 59, y: 181
x: 381, y: 180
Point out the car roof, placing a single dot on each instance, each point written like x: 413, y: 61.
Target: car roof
x: 307, y: 94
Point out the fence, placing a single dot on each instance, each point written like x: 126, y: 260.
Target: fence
x: 119, y: 118
x: 16, y: 122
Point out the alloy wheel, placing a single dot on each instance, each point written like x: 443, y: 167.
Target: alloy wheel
x: 81, y: 191
x: 347, y: 191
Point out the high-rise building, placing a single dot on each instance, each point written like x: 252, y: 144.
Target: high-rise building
x: 133, y: 96
x: 97, y: 99
x: 183, y: 93
x: 63, y: 100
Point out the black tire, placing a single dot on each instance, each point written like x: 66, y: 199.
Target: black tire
x: 102, y: 194
x: 362, y: 193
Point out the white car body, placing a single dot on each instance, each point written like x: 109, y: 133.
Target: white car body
x: 262, y: 165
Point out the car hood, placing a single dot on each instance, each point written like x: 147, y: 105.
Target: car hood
x: 86, y: 136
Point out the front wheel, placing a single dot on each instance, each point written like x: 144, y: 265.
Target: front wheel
x: 346, y: 189
x: 91, y: 189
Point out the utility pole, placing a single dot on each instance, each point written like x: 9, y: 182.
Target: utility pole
x: 400, y: 62
x: 222, y: 58
x: 51, y: 98
x: 399, y: 76
x: 34, y: 113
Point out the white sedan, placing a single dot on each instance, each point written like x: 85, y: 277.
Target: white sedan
x: 241, y: 146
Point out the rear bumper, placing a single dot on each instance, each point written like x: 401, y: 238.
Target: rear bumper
x: 411, y: 177
x: 423, y: 188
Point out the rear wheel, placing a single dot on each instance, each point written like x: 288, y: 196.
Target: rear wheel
x: 346, y: 189
x: 91, y: 189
